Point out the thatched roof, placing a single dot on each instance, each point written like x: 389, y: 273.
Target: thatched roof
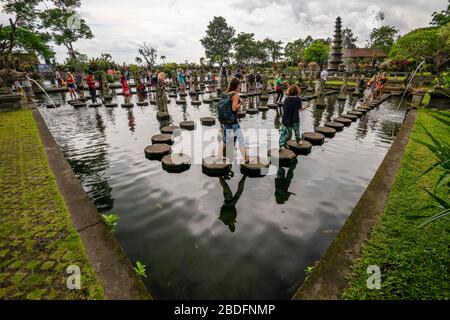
x: 364, y: 53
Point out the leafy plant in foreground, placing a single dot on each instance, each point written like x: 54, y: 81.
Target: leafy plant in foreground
x: 140, y: 269
x: 111, y: 221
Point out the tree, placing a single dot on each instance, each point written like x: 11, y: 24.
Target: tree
x: 273, y: 49
x: 25, y: 12
x: 149, y: 54
x: 293, y: 51
x: 318, y: 52
x: 383, y: 38
x: 218, y: 41
x: 349, y: 39
x: 65, y: 25
x: 25, y: 41
x: 430, y: 44
x: 247, y: 50
x: 441, y: 18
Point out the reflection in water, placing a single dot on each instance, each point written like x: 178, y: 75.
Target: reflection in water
x: 228, y: 212
x: 131, y: 120
x: 283, y: 182
x: 277, y: 120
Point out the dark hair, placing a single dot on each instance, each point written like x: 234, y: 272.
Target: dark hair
x: 234, y: 85
x: 283, y: 75
x: 293, y: 91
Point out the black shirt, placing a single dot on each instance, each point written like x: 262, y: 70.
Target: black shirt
x: 291, y: 111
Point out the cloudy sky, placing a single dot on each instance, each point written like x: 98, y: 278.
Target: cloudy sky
x: 176, y: 26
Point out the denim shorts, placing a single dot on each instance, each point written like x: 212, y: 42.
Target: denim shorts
x: 230, y: 131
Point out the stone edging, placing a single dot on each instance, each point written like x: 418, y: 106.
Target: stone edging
x: 112, y: 267
x: 330, y: 277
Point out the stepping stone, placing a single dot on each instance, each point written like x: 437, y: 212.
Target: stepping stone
x: 162, y: 138
x: 241, y: 114
x: 208, y: 121
x: 349, y: 116
x: 95, y: 105
x: 182, y: 94
x: 214, y: 167
x: 207, y: 100
x: 84, y: 99
x: 72, y: 102
x: 326, y: 131
x: 176, y: 162
x: 362, y: 110
x: 216, y: 99
x: 142, y: 103
x: 272, y: 106
x: 243, y: 95
x: 52, y: 105
x: 300, y: 149
x: 335, y: 125
x: 79, y: 105
x: 344, y: 121
x: 157, y: 151
x: 173, y: 95
x: 162, y: 116
x: 263, y: 108
x: 252, y: 111
x: 111, y: 105
x: 181, y: 101
x: 257, y: 167
x: 169, y: 129
x: 127, y: 105
x: 264, y: 98
x: 196, y: 102
x: 314, y: 137
x: 355, y: 113
x: 283, y: 157
x: 187, y: 125
x: 342, y: 98
x: 152, y: 101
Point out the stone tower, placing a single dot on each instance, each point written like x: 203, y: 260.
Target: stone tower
x: 336, y: 50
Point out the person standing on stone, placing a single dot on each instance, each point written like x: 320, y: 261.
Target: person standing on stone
x: 324, y: 75
x: 71, y: 85
x: 291, y: 116
x: 258, y: 81
x: 92, y: 86
x: 161, y: 97
x: 181, y: 80
x: 368, y: 96
x: 79, y: 83
x: 279, y: 85
x: 125, y: 88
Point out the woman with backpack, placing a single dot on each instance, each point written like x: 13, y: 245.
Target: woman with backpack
x: 228, y: 109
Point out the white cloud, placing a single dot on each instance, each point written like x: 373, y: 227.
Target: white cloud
x: 175, y: 27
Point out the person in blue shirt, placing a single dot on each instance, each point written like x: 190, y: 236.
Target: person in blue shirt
x: 291, y: 116
x: 181, y: 80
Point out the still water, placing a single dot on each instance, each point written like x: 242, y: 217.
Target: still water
x: 176, y: 224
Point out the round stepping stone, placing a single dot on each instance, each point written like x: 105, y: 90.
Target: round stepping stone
x: 79, y: 105
x: 216, y: 99
x: 95, y: 105
x: 300, y: 149
x: 208, y: 121
x: 169, y: 129
x: 264, y: 98
x: 152, y: 101
x: 284, y: 157
x: 196, y: 102
x: 74, y: 101
x: 214, y: 167
x: 157, y: 151
x: 326, y: 131
x: 182, y: 94
x: 349, y: 116
x: 127, y: 105
x: 272, y: 105
x: 252, y: 111
x: 176, y: 162
x: 335, y: 125
x: 342, y: 98
x: 257, y: 167
x: 181, y: 101
x: 142, y: 103
x: 83, y: 99
x: 314, y: 137
x: 207, y: 101
x: 162, y: 138
x: 111, y: 105
x: 173, y: 95
x: 52, y: 105
x: 263, y: 108
x: 187, y: 125
x: 243, y: 95
x: 355, y: 113
x: 344, y: 121
x: 241, y: 114
x: 362, y: 110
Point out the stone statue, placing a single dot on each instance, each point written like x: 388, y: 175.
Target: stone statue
x: 8, y: 77
x: 161, y: 97
x: 344, y: 88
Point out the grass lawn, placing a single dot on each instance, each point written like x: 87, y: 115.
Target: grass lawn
x: 37, y: 239
x: 337, y: 82
x: 414, y: 263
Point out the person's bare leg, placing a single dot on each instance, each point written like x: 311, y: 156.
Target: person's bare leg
x: 244, y: 153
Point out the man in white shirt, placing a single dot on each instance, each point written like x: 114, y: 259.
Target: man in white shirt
x: 324, y: 75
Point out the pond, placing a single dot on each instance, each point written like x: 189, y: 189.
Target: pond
x: 175, y: 224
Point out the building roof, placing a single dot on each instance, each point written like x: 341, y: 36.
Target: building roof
x: 364, y: 53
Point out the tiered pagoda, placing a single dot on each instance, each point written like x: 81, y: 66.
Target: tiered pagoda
x: 336, y: 50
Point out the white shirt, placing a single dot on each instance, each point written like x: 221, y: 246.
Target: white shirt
x: 324, y: 75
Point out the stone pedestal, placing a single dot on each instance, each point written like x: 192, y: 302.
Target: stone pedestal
x: 10, y: 101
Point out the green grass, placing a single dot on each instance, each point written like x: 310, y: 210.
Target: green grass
x: 415, y: 263
x: 340, y: 83
x: 37, y: 239
x: 426, y: 99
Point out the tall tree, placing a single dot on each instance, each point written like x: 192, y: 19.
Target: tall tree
x: 218, y: 41
x: 441, y: 18
x: 273, y: 49
x: 65, y: 24
x: 247, y: 50
x: 383, y: 38
x: 349, y: 39
x: 317, y: 52
x: 25, y: 41
x: 149, y: 54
